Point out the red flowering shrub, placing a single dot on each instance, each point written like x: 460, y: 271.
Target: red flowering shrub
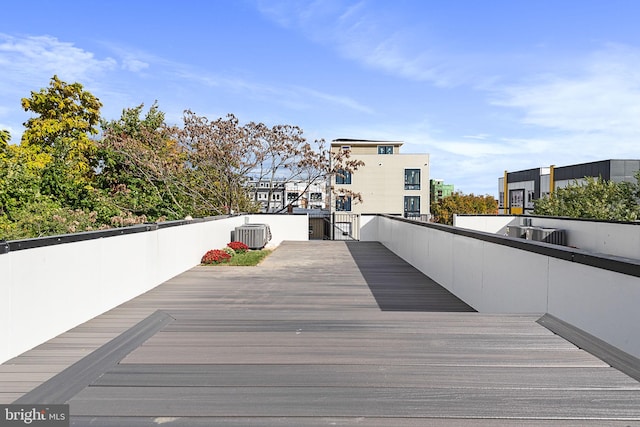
x: 215, y: 256
x: 239, y: 247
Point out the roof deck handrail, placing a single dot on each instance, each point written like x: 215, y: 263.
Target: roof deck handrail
x: 618, y: 264
x: 38, y: 242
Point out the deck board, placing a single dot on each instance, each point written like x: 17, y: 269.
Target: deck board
x: 327, y: 333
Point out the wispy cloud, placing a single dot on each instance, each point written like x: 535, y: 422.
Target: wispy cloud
x: 130, y: 58
x: 340, y: 100
x: 481, y: 136
x: 297, y: 97
x: 365, y: 34
x: 127, y: 76
x: 34, y: 57
x: 603, y: 98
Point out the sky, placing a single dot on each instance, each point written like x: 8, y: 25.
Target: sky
x: 482, y: 86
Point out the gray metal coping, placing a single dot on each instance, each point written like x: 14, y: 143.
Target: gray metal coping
x: 628, y: 266
x: 616, y: 358
x: 63, y: 386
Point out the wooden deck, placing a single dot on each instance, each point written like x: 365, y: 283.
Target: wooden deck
x: 322, y: 333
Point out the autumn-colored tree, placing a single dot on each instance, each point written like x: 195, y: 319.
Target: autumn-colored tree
x: 46, y: 181
x: 141, y: 165
x: 220, y: 155
x: 19, y: 183
x: 459, y: 203
x: 64, y: 111
x: 65, y: 117
x: 224, y: 155
x: 61, y: 178
x: 26, y: 212
x: 593, y: 198
x: 5, y: 137
x: 281, y: 154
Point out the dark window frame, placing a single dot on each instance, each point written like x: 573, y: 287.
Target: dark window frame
x: 343, y: 204
x: 410, y: 180
x: 416, y: 202
x: 343, y: 177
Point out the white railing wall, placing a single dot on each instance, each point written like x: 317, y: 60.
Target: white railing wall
x: 486, y: 223
x: 47, y: 290
x: 498, y: 274
x: 605, y: 237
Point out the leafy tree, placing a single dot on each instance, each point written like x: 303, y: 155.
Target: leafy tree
x: 459, y: 203
x: 63, y: 111
x: 65, y: 117
x: 46, y: 181
x: 141, y: 165
x: 61, y: 179
x: 220, y: 154
x: 44, y: 216
x: 5, y: 137
x: 20, y: 183
x: 281, y: 155
x: 594, y: 198
x: 25, y: 212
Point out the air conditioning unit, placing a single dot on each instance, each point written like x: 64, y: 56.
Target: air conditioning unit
x: 256, y: 236
x: 548, y: 235
x: 516, y: 231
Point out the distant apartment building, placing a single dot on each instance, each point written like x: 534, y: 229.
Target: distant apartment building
x: 390, y: 182
x: 439, y: 190
x: 306, y: 195
x: 523, y: 187
x: 277, y: 195
x: 269, y: 194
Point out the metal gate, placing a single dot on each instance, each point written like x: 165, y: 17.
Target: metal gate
x: 344, y: 226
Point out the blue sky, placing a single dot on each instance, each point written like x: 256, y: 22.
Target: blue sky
x: 482, y: 86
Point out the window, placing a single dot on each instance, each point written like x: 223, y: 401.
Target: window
x: 411, y: 205
x: 517, y: 198
x: 316, y: 197
x: 292, y: 196
x: 343, y: 203
x: 412, y: 179
x: 385, y: 149
x: 343, y: 177
x: 530, y: 195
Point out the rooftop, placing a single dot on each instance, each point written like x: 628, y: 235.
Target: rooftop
x: 322, y: 333
x: 340, y: 141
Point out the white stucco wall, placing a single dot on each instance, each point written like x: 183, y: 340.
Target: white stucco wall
x: 495, y: 278
x: 613, y: 238
x: 486, y: 223
x: 47, y: 290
